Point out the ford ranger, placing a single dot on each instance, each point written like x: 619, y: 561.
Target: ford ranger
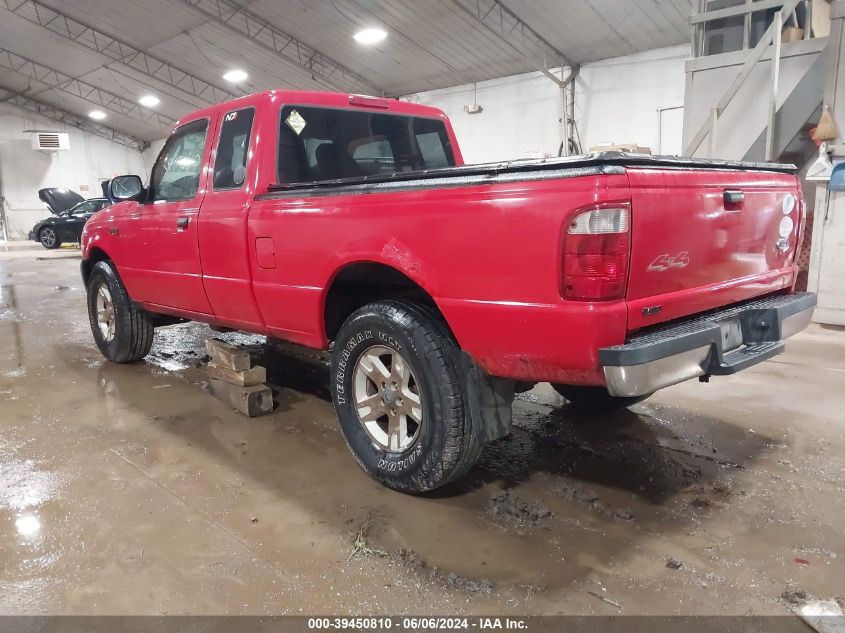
x: 350, y: 223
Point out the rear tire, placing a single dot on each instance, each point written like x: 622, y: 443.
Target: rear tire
x: 407, y: 345
x: 49, y: 238
x: 595, y: 398
x: 123, y: 333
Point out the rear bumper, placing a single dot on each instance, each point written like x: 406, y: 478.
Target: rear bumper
x: 718, y: 343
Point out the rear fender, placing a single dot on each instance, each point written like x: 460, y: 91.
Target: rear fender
x: 393, y: 254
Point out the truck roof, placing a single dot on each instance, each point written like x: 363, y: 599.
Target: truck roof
x: 324, y: 99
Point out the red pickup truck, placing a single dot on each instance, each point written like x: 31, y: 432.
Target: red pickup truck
x: 350, y: 223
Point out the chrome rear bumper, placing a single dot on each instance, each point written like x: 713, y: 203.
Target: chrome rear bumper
x: 718, y: 343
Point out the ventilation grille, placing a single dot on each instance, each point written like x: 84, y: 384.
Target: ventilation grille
x: 50, y: 141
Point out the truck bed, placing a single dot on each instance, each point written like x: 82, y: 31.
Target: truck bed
x: 597, y: 163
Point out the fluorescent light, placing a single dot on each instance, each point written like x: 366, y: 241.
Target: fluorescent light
x: 235, y: 76
x: 97, y: 115
x: 149, y: 101
x: 370, y: 36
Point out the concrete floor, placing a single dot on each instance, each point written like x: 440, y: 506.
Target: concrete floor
x: 130, y: 490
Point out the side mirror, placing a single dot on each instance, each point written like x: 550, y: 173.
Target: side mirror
x: 126, y: 188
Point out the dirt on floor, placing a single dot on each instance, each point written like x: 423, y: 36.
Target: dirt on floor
x: 128, y: 489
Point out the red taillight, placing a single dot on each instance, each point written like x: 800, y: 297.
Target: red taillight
x: 596, y: 245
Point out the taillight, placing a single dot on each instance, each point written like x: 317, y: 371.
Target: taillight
x: 596, y: 245
x: 795, y: 212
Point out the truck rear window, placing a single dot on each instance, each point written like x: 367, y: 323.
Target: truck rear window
x: 326, y: 144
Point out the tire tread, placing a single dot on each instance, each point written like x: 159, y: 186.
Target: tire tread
x: 139, y: 338
x: 463, y: 441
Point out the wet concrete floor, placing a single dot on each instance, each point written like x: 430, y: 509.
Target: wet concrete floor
x: 130, y: 490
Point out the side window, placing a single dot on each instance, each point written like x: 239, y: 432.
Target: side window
x: 176, y: 173
x: 432, y: 149
x: 232, y: 149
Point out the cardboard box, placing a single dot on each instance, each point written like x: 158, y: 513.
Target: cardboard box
x: 621, y: 147
x: 792, y: 34
x: 820, y: 18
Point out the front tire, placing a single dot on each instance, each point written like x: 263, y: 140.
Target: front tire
x: 49, y: 238
x: 123, y: 333
x: 399, y: 397
x: 595, y: 398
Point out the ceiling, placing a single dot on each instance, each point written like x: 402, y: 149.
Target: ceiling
x: 80, y: 55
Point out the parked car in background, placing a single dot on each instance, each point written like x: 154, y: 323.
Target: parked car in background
x: 70, y: 213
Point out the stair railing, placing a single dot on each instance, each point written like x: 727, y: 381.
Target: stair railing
x: 772, y: 36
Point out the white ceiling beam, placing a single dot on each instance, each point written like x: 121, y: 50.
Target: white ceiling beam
x: 246, y: 24
x: 115, y: 49
x: 81, y: 89
x: 499, y: 19
x: 59, y: 115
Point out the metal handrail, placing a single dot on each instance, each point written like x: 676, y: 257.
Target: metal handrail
x: 743, y: 9
x: 772, y: 33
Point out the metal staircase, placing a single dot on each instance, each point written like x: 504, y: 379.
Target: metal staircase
x: 794, y: 120
x: 774, y: 90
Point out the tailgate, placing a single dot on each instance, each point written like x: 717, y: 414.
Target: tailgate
x: 703, y: 238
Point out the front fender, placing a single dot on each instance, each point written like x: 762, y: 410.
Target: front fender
x: 95, y: 230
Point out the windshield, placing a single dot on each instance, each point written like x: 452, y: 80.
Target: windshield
x: 326, y: 144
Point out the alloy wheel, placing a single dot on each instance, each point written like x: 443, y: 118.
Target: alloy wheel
x: 48, y: 237
x: 387, y: 399
x: 105, y: 313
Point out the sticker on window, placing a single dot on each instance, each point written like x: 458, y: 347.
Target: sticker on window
x: 295, y: 122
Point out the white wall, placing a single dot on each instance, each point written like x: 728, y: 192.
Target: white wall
x: 23, y: 171
x: 616, y: 102
x: 150, y: 154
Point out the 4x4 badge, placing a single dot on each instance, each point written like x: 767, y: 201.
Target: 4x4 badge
x: 665, y: 262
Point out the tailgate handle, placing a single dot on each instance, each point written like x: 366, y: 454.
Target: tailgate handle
x: 733, y: 196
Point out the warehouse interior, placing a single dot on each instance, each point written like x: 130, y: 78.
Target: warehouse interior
x: 129, y: 489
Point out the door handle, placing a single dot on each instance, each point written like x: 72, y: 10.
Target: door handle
x: 182, y: 223
x: 734, y: 197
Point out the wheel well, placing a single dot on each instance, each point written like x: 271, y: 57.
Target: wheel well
x: 359, y: 284
x: 94, y: 256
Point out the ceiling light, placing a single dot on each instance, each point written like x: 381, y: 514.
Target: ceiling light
x: 235, y: 76
x: 370, y: 36
x: 149, y: 101
x: 97, y: 115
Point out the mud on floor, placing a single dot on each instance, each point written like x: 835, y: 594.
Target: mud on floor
x: 128, y: 489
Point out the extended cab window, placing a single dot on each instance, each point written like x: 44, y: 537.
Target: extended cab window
x: 230, y: 164
x: 176, y: 173
x: 327, y: 144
